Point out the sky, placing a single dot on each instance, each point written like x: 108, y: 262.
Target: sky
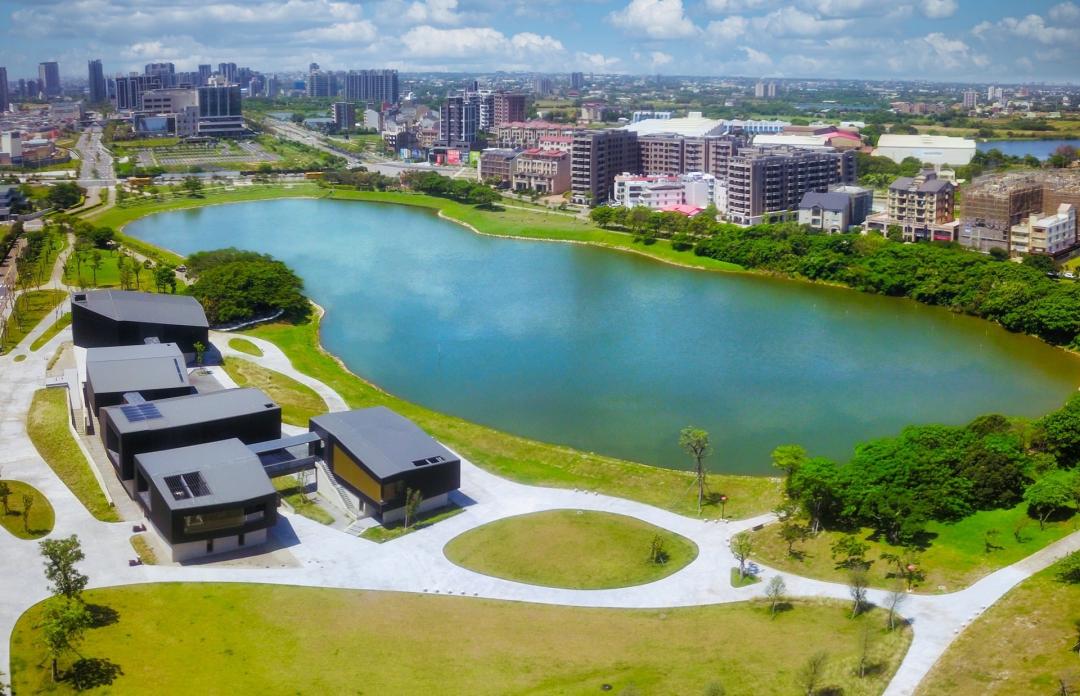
x: 946, y: 40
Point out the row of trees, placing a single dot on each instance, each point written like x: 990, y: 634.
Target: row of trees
x: 235, y: 285
x: 361, y: 179
x: 461, y: 190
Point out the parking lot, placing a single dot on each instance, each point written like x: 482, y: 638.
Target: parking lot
x: 223, y: 152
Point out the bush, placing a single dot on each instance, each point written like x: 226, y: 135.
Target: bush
x: 248, y: 288
x: 1069, y: 568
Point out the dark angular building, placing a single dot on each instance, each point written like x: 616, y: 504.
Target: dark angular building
x: 380, y: 455
x: 103, y: 318
x: 154, y: 371
x: 207, y: 498
x: 138, y: 427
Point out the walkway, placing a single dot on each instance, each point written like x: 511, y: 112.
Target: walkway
x: 415, y: 562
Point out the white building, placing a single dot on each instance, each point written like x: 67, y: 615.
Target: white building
x: 1050, y: 234
x: 693, y: 125
x: 696, y: 189
x: 11, y: 145
x: 638, y: 116
x: 938, y: 150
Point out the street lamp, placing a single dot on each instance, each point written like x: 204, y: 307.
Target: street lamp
x: 723, y: 503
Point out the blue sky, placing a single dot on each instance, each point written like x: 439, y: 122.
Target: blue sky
x: 977, y: 40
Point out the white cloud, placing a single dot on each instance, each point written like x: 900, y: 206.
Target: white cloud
x: 659, y: 58
x: 433, y: 12
x: 938, y: 9
x: 655, y: 19
x: 847, y: 8
x: 528, y: 41
x: 727, y: 30
x: 795, y: 22
x: 1035, y: 28
x: 343, y: 32
x: 471, y: 42
x: 596, y: 62
x: 1065, y: 13
x: 724, y: 6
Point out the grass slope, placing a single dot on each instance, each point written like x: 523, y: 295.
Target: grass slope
x: 59, y: 325
x: 388, y: 532
x: 42, y: 516
x: 956, y: 557
x: 1023, y: 644
x: 245, y: 346
x: 289, y: 488
x: 236, y: 638
x: 519, y: 458
x: 298, y: 402
x: 108, y: 275
x: 33, y: 307
x: 46, y: 424
x: 575, y: 549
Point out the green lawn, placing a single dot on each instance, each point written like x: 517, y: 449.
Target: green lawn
x: 33, y: 307
x: 1023, y: 644
x: 957, y: 555
x: 384, y: 533
x: 143, y: 549
x: 739, y: 580
x: 298, y: 402
x: 289, y: 488
x: 15, y: 521
x: 232, y: 638
x: 576, y: 549
x: 79, y: 272
x: 46, y: 424
x: 521, y: 459
x: 245, y: 346
x: 59, y: 325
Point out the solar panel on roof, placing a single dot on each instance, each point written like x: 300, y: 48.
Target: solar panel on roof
x: 141, y: 412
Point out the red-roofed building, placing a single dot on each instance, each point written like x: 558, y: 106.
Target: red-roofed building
x: 546, y: 171
x: 682, y: 209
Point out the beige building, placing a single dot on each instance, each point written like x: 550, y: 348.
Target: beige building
x: 922, y: 207
x: 1049, y: 234
x: 545, y: 171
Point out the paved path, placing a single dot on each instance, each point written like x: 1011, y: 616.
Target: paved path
x: 415, y: 563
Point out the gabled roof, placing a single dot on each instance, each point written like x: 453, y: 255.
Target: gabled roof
x: 188, y: 410
x: 835, y: 202
x: 213, y: 473
x: 384, y: 441
x: 136, y: 368
x: 144, y: 307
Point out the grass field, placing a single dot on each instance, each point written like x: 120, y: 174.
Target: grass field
x: 13, y: 518
x: 1023, y: 644
x: 289, y: 488
x: 34, y: 305
x: 521, y: 459
x: 236, y: 638
x: 389, y: 532
x: 46, y: 424
x: 576, y: 549
x: 57, y: 326
x: 956, y: 557
x: 80, y: 273
x: 245, y: 346
x: 298, y: 402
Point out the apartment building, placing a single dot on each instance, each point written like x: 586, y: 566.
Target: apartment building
x: 95, y: 79
x: 508, y: 107
x: 372, y: 86
x: 545, y: 171
x: 670, y: 153
x: 596, y: 158
x: 923, y: 207
x: 1049, y: 234
x: 837, y: 210
x: 531, y: 134
x: 763, y: 183
x: 497, y: 165
x: 685, y: 192
x: 344, y: 116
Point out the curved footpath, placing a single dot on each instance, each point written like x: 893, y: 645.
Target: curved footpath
x: 415, y: 562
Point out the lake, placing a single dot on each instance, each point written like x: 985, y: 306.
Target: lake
x: 614, y: 353
x: 1021, y: 148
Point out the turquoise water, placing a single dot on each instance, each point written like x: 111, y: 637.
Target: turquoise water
x: 1021, y: 148
x: 614, y: 353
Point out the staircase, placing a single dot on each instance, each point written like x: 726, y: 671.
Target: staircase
x: 344, y: 500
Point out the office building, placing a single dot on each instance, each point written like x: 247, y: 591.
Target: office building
x: 1045, y: 234
x: 765, y: 183
x: 5, y: 98
x: 205, y: 71
x: 227, y: 71
x: 344, y: 116
x: 49, y: 79
x: 459, y: 120
x: 577, y: 80
x: 129, y: 90
x: 166, y: 71
x: 596, y: 158
x: 923, y: 207
x: 220, y: 112
x: 375, y: 87
x: 318, y: 84
x: 96, y: 80
x: 938, y: 150
x: 169, y: 101
x: 508, y: 108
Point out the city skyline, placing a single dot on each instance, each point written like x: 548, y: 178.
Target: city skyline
x: 943, y: 40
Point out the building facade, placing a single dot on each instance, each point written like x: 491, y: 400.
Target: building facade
x: 49, y: 79
x: 596, y: 158
x: 129, y: 90
x: 508, y: 108
x: 96, y: 80
x: 544, y: 171
x: 923, y: 207
x: 220, y: 111
x: 372, y: 86
x: 763, y: 183
x: 1045, y: 234
x: 344, y: 116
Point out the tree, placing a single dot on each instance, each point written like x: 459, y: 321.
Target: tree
x: 124, y: 269
x: 5, y: 491
x: 858, y: 581
x: 601, y: 216
x: 742, y: 545
x: 64, y: 195
x: 61, y: 555
x: 810, y: 674
x: 95, y: 263
x: 1059, y: 433
x: 1050, y: 494
x: 245, y: 290
x: 658, y: 555
x: 413, y: 498
x: 695, y: 442
x: 848, y: 552
x: 27, y: 503
x: 165, y: 277
x: 774, y: 592
x: 866, y: 643
x: 793, y: 531
x: 714, y: 688
x: 1043, y: 263
x: 1069, y: 568
x: 484, y: 197
x: 999, y: 254
x: 200, y: 352
x: 893, y: 602
x: 192, y: 185
x: 65, y: 623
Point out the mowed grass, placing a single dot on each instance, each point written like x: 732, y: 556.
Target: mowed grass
x: 521, y: 459
x: 385, y: 533
x: 298, y: 402
x: 289, y: 488
x: 576, y: 549
x: 957, y: 555
x: 14, y: 519
x: 47, y: 426
x: 82, y: 274
x: 57, y: 326
x: 245, y: 346
x: 233, y: 638
x: 34, y: 305
x: 1023, y: 644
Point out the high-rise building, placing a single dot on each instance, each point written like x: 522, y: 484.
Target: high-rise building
x: 129, y: 90
x: 5, y: 99
x: 459, y: 120
x: 271, y: 87
x: 766, y: 182
x: 96, y: 79
x: 971, y: 99
x: 220, y: 112
x: 770, y: 90
x: 922, y: 207
x: 49, y: 78
x: 509, y: 108
x: 227, y: 72
x: 596, y: 158
x: 375, y: 87
x: 205, y: 70
x: 542, y: 86
x: 759, y: 90
x: 577, y: 80
x: 318, y: 83
x: 344, y: 116
x: 166, y: 71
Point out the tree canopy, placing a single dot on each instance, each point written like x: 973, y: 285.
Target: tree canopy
x: 246, y: 288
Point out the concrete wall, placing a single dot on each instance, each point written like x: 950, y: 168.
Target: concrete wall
x: 197, y: 549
